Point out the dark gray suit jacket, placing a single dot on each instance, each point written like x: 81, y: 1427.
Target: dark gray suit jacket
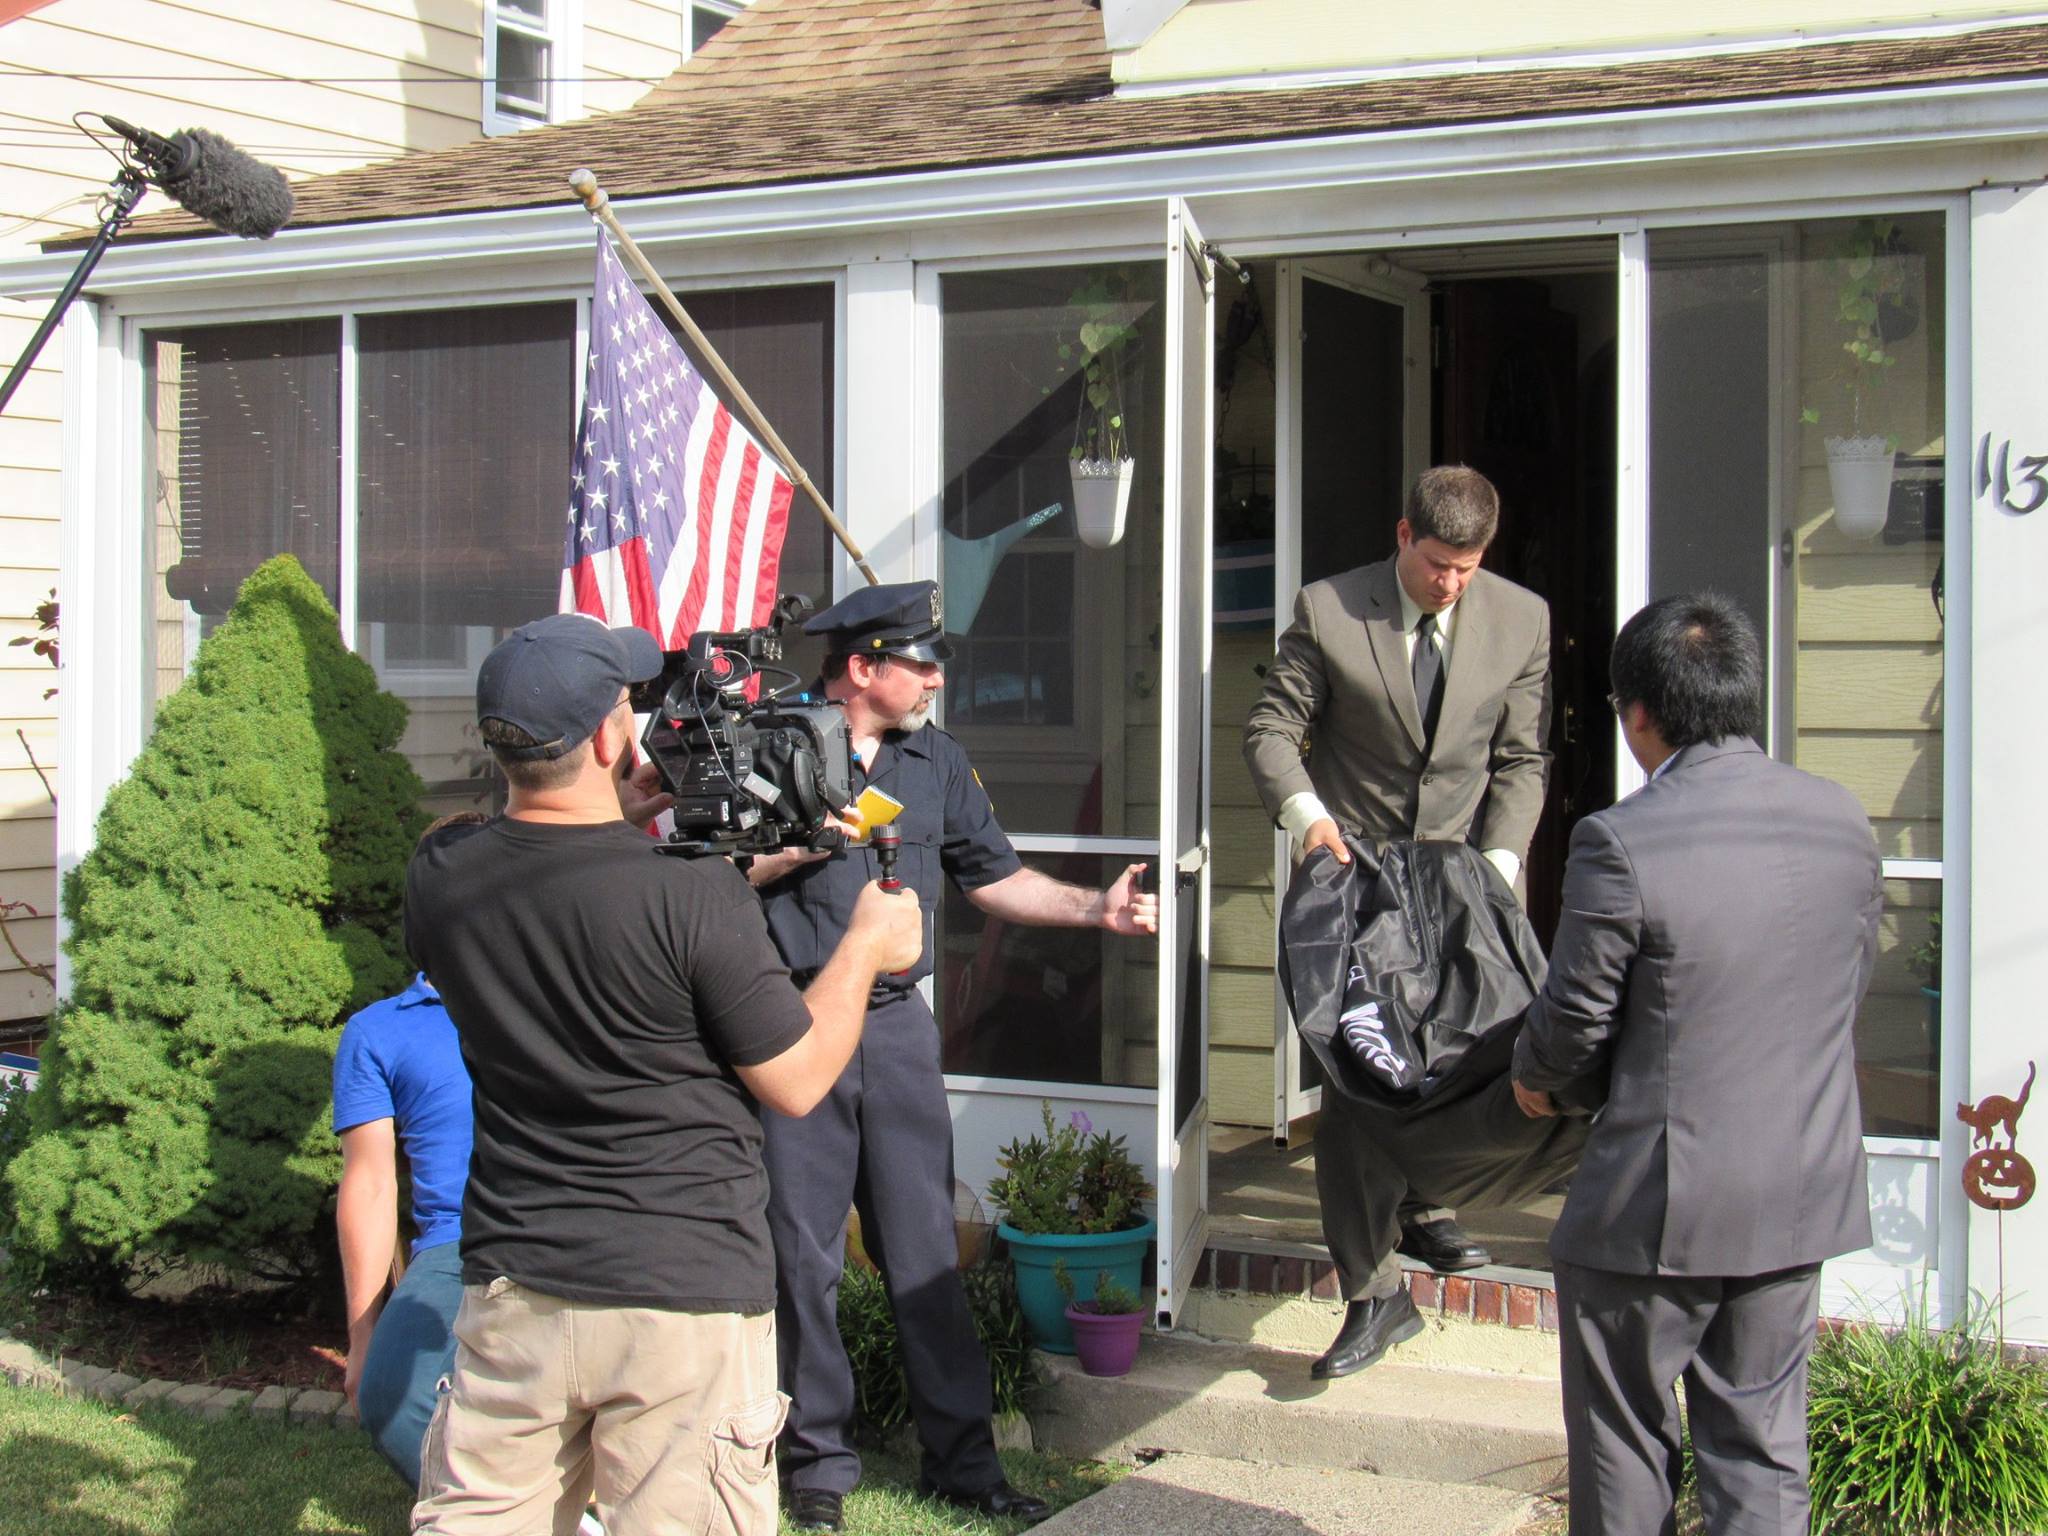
x: 1718, y: 934
x: 1342, y: 684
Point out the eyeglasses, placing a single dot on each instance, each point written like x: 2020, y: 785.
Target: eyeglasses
x: 1614, y: 702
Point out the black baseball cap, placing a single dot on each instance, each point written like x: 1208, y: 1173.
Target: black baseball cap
x: 557, y: 679
x: 902, y: 618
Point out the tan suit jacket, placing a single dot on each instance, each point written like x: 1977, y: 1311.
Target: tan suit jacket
x: 1341, y: 690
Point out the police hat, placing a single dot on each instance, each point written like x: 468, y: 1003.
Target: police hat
x: 904, y: 618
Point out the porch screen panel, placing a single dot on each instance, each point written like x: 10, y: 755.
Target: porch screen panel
x: 1055, y: 681
x: 465, y: 421
x: 1056, y: 1005
x: 1766, y: 342
x: 242, y: 461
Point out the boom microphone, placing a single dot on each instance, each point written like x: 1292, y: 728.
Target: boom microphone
x: 209, y: 177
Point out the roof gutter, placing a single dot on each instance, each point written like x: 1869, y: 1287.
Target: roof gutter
x: 1980, y: 112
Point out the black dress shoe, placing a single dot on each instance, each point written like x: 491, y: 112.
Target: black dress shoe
x: 997, y: 1499
x: 1370, y: 1329
x: 1442, y: 1245
x: 816, y: 1509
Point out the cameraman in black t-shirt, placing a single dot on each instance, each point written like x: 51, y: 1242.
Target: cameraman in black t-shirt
x: 623, y: 1016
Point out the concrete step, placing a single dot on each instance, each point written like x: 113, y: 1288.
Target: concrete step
x: 1450, y: 1337
x: 1244, y: 1402
x: 1199, y: 1495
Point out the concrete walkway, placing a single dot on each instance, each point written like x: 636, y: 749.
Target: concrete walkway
x: 1200, y: 1495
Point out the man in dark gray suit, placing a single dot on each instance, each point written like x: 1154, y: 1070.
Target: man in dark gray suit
x: 1409, y: 699
x: 1719, y: 929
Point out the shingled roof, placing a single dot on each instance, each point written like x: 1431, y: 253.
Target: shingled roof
x: 816, y: 90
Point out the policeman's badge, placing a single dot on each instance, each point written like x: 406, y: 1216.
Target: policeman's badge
x: 938, y: 608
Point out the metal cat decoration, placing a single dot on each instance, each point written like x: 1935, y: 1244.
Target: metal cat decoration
x: 1996, y: 1177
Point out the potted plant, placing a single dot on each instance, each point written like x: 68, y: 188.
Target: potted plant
x: 1100, y: 464
x: 1925, y: 962
x: 1875, y: 309
x: 1073, y: 1193
x: 1106, y: 1326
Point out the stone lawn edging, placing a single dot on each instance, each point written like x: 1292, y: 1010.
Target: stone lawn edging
x: 26, y: 1366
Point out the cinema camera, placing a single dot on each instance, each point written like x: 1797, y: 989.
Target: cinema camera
x: 750, y: 774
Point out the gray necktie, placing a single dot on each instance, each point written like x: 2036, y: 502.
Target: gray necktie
x: 1429, y: 677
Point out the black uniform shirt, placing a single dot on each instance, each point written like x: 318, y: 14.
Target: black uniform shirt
x: 948, y: 827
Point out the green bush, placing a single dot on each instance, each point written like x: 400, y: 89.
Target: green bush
x: 881, y: 1392
x: 241, y: 898
x: 1921, y: 1433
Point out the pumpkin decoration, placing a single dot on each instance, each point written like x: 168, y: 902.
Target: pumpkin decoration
x: 1998, y: 1179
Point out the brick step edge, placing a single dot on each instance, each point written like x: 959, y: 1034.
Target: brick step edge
x: 26, y: 1366
x: 1474, y: 1298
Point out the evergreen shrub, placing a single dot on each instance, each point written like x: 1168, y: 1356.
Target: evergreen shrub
x: 241, y: 899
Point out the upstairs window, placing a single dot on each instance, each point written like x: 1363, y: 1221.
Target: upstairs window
x: 531, y: 63
x: 702, y: 20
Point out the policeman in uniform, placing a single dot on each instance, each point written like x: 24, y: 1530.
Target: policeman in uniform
x: 882, y: 1140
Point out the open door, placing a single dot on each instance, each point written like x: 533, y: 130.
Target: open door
x: 1353, y: 413
x: 1183, y: 1136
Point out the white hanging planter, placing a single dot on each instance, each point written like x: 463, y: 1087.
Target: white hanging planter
x: 1102, y: 494
x: 1860, y: 480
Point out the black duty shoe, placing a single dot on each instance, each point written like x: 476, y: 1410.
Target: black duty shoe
x: 816, y: 1509
x: 1442, y: 1245
x: 1370, y: 1329
x: 1000, y: 1499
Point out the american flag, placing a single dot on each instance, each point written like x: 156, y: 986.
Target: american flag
x: 676, y: 516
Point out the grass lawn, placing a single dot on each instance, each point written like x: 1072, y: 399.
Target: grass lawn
x: 70, y: 1468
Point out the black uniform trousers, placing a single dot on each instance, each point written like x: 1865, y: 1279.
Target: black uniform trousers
x: 882, y: 1143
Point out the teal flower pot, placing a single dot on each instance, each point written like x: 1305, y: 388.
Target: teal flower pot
x: 1033, y: 1254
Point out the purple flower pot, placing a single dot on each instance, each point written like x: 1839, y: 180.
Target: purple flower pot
x: 1106, y: 1343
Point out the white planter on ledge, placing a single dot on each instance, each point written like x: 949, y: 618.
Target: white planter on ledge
x: 1860, y: 480
x: 1102, y: 494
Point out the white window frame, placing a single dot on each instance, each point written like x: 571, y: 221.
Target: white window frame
x: 726, y: 8
x: 562, y: 33
x: 423, y: 679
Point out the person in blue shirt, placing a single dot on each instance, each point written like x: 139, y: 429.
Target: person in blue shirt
x: 399, y: 1081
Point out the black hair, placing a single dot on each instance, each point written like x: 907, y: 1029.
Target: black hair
x: 1693, y: 662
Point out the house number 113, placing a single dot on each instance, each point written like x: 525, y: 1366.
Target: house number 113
x: 2018, y: 487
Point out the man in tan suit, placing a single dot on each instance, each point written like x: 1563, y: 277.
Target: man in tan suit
x: 1409, y: 698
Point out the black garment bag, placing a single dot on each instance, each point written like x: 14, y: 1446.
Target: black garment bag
x: 1408, y: 970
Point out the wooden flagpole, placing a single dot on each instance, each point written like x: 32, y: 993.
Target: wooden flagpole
x: 585, y: 186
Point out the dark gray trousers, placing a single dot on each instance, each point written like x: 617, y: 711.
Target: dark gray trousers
x: 1374, y: 1165
x: 881, y: 1142
x: 1741, y: 1346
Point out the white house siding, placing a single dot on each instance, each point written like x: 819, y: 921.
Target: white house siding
x: 313, y: 87
x: 1219, y: 40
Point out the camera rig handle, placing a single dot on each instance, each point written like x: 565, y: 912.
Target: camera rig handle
x: 888, y: 843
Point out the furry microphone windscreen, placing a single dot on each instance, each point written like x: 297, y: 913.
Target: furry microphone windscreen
x: 230, y: 190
